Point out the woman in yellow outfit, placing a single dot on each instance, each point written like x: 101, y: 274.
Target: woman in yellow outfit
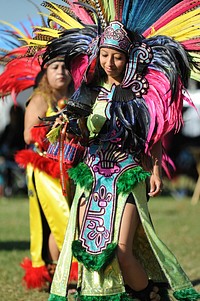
x: 49, y: 207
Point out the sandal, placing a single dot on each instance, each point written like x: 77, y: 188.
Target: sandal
x: 51, y: 267
x: 150, y: 293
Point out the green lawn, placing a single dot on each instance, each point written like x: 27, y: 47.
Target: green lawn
x: 176, y: 222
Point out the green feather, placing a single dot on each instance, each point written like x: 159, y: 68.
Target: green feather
x: 187, y: 294
x: 130, y: 178
x: 81, y: 174
x: 93, y: 262
x: 54, y: 134
x: 53, y: 297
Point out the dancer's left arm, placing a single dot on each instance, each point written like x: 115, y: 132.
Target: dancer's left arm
x: 156, y: 183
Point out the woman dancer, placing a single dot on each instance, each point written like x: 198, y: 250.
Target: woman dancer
x: 49, y: 207
x: 140, y: 82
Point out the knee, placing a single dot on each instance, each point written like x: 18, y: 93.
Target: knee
x: 123, y: 255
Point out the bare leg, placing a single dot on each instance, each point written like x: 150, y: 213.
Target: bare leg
x: 82, y: 207
x: 53, y: 254
x: 53, y: 249
x: 138, y: 279
x: 133, y: 272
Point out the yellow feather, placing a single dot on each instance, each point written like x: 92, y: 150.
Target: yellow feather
x: 195, y: 58
x: 15, y: 29
x: 51, y: 35
x: 195, y: 75
x: 190, y: 20
x: 186, y: 33
x: 61, y: 23
x: 41, y: 30
x: 32, y: 42
x: 61, y: 14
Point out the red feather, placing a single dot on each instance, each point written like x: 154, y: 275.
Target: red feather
x: 19, y: 75
x: 26, y: 156
x: 35, y: 277
x: 38, y: 134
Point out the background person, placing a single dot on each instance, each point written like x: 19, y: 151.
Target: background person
x: 11, y: 141
x: 49, y: 208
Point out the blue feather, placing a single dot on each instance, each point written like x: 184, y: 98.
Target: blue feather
x: 138, y: 15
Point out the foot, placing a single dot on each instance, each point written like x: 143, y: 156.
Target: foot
x: 51, y: 267
x: 154, y: 296
x: 150, y: 293
x: 72, y: 289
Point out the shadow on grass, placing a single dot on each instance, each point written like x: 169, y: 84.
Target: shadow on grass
x: 14, y: 245
x: 196, y: 282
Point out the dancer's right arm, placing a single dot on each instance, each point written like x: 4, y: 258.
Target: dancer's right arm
x: 37, y: 107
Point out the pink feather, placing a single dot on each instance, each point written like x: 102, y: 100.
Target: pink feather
x: 165, y: 117
x: 78, y: 68
x: 192, y: 45
x: 81, y: 13
x: 179, y: 9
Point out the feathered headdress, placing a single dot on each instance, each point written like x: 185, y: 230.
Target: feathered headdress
x: 22, y: 63
x: 164, y: 51
x: 20, y: 68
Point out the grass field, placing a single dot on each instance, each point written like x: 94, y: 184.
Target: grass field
x: 176, y: 222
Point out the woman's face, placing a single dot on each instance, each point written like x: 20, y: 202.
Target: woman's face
x: 58, y: 76
x: 113, y: 62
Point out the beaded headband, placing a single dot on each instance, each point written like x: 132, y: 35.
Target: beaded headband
x: 58, y: 58
x: 115, y: 36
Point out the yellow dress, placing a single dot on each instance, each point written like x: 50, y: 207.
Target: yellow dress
x: 49, y: 213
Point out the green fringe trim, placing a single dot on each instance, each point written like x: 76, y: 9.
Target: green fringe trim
x: 53, y: 297
x: 117, y: 297
x: 188, y: 294
x: 81, y: 174
x: 130, y: 178
x: 93, y: 262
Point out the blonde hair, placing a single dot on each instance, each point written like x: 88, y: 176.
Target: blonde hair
x: 46, y: 90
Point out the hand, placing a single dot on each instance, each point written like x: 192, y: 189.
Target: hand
x: 70, y: 136
x: 156, y: 185
x: 58, y: 121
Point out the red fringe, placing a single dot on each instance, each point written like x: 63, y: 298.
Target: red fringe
x: 51, y: 167
x: 73, y: 277
x: 35, y: 277
x: 38, y: 135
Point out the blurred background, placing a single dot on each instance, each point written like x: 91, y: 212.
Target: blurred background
x: 22, y: 14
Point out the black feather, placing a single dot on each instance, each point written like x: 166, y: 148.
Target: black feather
x: 170, y: 58
x: 70, y: 43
